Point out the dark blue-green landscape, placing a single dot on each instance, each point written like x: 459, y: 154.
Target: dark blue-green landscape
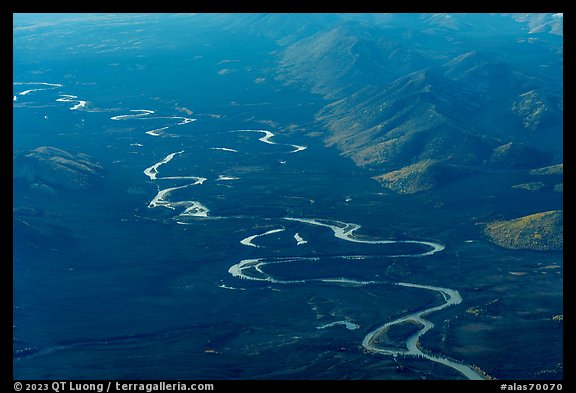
x: 288, y: 196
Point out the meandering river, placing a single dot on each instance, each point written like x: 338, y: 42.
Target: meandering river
x: 255, y: 268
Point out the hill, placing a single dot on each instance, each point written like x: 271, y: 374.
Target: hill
x: 48, y: 170
x: 400, y: 91
x: 539, y: 231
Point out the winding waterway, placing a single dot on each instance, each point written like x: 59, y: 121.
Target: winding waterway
x: 451, y: 297
x: 255, y: 268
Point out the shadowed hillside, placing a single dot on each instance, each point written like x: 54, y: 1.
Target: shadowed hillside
x: 401, y: 91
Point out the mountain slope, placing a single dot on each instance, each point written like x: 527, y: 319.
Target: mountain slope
x: 48, y: 169
x: 539, y: 231
x: 397, y: 98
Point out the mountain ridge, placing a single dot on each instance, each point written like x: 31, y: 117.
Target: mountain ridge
x: 459, y: 104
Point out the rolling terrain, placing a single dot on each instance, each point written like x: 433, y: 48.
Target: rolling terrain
x: 288, y: 196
